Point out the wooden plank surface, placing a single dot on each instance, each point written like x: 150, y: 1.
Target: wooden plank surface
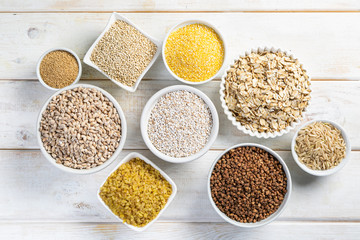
x: 326, y: 43
x: 34, y: 190
x: 21, y: 101
x: 89, y: 231
x: 38, y: 201
x: 180, y: 5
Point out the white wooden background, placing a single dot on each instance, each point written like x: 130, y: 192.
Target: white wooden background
x: 38, y: 201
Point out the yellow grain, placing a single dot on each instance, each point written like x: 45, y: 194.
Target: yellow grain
x: 136, y: 192
x: 194, y: 52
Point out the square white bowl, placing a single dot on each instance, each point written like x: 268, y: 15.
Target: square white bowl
x: 125, y: 160
x: 115, y: 16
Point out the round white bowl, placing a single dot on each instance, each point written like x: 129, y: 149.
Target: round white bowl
x: 52, y: 50
x: 107, y: 162
x: 182, y: 24
x: 331, y: 170
x: 273, y: 216
x: 146, y: 114
x: 237, y: 124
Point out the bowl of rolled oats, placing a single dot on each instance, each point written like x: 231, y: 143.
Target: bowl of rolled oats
x: 265, y: 92
x: 81, y: 129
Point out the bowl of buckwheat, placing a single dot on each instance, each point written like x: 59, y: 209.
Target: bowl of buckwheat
x: 265, y: 92
x: 249, y: 185
x: 81, y: 129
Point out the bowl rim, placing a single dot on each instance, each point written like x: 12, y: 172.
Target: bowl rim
x: 116, y: 16
x: 107, y: 162
x: 273, y: 216
x: 127, y: 158
x: 185, y: 23
x: 53, y: 50
x: 321, y: 173
x: 237, y: 124
x: 149, y: 106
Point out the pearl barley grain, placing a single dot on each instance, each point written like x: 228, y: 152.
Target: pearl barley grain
x: 180, y: 124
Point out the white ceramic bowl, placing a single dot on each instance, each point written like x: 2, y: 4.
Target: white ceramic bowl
x: 106, y: 163
x: 273, y: 216
x: 331, y: 170
x: 146, y: 114
x: 115, y: 16
x: 238, y: 124
x: 172, y: 196
x: 52, y: 50
x: 182, y: 24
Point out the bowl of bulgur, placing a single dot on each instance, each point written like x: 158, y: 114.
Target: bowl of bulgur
x: 265, y: 92
x: 137, y: 192
x: 123, y: 52
x: 321, y: 147
x: 194, y: 52
x: 81, y: 129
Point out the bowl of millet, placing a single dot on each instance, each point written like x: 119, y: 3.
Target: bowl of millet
x: 249, y: 185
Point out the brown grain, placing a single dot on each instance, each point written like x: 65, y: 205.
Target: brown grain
x: 59, y: 69
x: 248, y: 184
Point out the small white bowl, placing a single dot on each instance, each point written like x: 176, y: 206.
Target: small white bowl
x: 273, y: 216
x: 52, y: 50
x: 330, y: 171
x: 146, y: 114
x: 107, y: 162
x: 182, y: 24
x: 237, y: 124
x: 172, y: 196
x: 115, y: 16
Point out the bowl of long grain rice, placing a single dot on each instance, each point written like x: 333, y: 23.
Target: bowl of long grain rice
x: 321, y: 147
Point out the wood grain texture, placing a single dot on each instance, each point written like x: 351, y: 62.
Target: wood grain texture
x: 325, y: 43
x: 21, y: 101
x: 34, y: 190
x: 211, y: 231
x: 179, y: 5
